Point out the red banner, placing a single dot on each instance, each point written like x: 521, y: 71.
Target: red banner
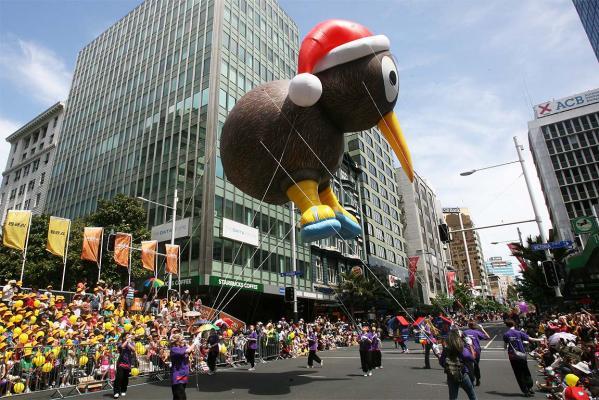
x: 450, y: 282
x: 514, y: 248
x: 92, y: 242
x: 412, y: 269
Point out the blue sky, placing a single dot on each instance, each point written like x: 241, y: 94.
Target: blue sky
x: 469, y: 73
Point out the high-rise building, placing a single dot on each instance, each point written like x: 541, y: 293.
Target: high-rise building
x: 423, y: 215
x: 384, y: 245
x: 466, y: 249
x: 149, y: 98
x: 26, y: 177
x: 564, y: 141
x: 588, y: 10
x: 500, y: 267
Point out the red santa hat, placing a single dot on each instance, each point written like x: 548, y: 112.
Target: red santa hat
x: 327, y: 45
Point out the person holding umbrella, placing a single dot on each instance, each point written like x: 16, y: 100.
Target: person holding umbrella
x: 252, y: 345
x: 179, y: 354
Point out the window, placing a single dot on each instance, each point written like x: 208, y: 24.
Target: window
x: 37, y: 199
x: 31, y: 185
x: 318, y: 268
x: 27, y: 204
x: 332, y: 278
x: 42, y: 178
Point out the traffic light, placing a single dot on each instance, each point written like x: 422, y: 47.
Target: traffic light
x: 444, y: 233
x: 289, y: 294
x: 550, y: 273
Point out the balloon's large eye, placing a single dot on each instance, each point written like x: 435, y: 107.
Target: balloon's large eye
x: 390, y: 78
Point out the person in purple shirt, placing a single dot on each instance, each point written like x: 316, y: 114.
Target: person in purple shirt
x: 455, y: 359
x: 375, y: 349
x: 252, y: 346
x: 313, y: 347
x: 365, y: 341
x: 514, y: 344
x: 124, y: 363
x: 476, y: 333
x: 179, y: 366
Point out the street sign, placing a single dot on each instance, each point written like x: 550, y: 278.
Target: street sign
x: 584, y: 225
x: 291, y: 273
x: 564, y: 244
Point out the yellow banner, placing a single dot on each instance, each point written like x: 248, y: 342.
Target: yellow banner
x: 172, y: 259
x: 92, y: 240
x: 58, y: 234
x: 16, y: 229
x: 148, y: 254
x: 122, y: 245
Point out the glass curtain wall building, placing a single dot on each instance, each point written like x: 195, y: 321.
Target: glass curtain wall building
x: 148, y: 101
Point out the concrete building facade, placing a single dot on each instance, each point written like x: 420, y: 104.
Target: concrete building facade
x: 564, y: 141
x: 499, y: 266
x: 423, y: 215
x: 26, y: 177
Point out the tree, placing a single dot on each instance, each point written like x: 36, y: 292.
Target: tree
x: 442, y: 302
x: 356, y: 291
x: 121, y: 214
x: 463, y: 294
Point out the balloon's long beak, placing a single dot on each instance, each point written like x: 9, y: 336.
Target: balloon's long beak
x: 389, y: 125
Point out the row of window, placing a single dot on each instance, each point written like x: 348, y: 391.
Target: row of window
x: 575, y: 158
x: 580, y: 208
x: 572, y: 142
x: 26, y: 205
x: 580, y: 191
x: 570, y: 126
x: 579, y: 174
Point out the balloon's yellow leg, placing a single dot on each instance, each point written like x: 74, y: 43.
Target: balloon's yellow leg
x: 305, y: 195
x: 327, y: 196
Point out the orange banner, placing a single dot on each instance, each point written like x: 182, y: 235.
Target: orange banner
x: 172, y: 259
x: 122, y: 247
x: 92, y: 242
x: 148, y: 254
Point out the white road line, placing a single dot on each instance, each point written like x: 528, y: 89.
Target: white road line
x: 313, y: 376
x: 490, y: 341
x: 415, y: 358
x: 431, y: 384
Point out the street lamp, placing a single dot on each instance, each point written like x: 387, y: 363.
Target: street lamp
x: 535, y: 207
x: 174, y: 208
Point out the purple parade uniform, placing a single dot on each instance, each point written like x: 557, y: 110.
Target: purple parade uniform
x: 515, y: 339
x: 313, y: 341
x: 253, y: 341
x: 180, y: 365
x: 365, y: 341
x: 374, y: 346
x: 476, y: 337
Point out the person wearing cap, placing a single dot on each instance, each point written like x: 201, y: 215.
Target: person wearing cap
x: 365, y: 340
x: 9, y: 290
x: 124, y: 364
x: 179, y: 355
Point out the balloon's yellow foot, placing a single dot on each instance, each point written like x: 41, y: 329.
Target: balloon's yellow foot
x: 350, y: 227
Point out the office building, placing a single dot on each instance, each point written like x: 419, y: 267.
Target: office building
x: 499, y: 286
x: 564, y: 141
x: 26, y: 177
x: 423, y: 215
x: 466, y: 250
x: 384, y: 243
x: 500, y: 267
x: 149, y: 98
x: 588, y: 10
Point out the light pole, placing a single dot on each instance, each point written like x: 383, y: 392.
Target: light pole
x: 293, y: 260
x: 174, y: 208
x: 533, y: 201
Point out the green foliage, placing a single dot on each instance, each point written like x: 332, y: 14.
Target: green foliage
x: 463, y: 294
x: 488, y: 305
x: 442, y: 302
x: 121, y: 214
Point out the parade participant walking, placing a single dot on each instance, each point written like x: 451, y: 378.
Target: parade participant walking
x: 476, y: 333
x: 429, y: 331
x: 252, y: 346
x: 313, y: 347
x: 365, y: 341
x: 212, y: 342
x: 179, y: 355
x: 375, y: 349
x: 514, y: 343
x: 454, y: 360
x: 124, y: 363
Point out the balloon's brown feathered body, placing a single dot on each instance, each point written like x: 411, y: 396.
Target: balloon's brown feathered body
x: 276, y: 150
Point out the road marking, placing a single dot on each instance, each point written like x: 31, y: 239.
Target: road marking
x: 313, y: 376
x: 416, y: 358
x: 431, y: 384
x: 490, y: 341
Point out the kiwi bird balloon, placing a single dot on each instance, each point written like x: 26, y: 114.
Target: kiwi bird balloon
x: 283, y: 139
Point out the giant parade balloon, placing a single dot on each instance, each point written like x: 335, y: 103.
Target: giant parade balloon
x: 283, y: 139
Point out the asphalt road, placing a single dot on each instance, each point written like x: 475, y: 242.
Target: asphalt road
x: 341, y: 378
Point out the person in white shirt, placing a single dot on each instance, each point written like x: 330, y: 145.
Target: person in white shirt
x: 9, y: 290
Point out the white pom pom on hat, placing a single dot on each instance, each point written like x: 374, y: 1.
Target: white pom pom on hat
x: 305, y: 89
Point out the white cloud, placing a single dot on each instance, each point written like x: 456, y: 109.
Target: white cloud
x: 34, y: 70
x: 7, y: 127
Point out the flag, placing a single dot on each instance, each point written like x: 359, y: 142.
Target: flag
x: 16, y: 229
x: 122, y: 247
x: 172, y: 259
x: 58, y: 233
x: 515, y: 248
x: 92, y: 240
x: 148, y: 254
x: 450, y: 282
x: 412, y: 269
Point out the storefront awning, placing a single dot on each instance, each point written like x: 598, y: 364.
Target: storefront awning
x: 588, y: 257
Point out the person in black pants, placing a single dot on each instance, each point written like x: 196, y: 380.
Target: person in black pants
x: 514, y: 344
x: 313, y: 347
x: 252, y: 346
x: 365, y: 341
x: 213, y: 341
x: 126, y: 351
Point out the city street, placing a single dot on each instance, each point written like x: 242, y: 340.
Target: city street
x: 401, y: 378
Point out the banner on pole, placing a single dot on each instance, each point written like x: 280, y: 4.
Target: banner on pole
x: 514, y: 248
x: 92, y: 239
x: 148, y: 254
x: 58, y: 232
x: 450, y: 282
x: 16, y: 229
x: 412, y: 270
x: 122, y: 247
x: 172, y: 259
